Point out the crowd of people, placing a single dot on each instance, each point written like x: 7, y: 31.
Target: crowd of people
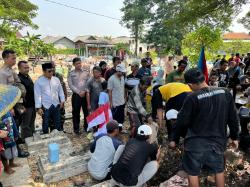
x: 183, y: 102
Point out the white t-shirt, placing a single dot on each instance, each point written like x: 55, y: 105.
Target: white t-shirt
x: 102, y: 158
x: 103, y: 98
x: 117, y: 85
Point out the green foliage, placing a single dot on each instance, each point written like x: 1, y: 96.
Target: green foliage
x: 167, y: 38
x: 246, y: 21
x: 203, y: 36
x: 14, y: 15
x: 30, y: 45
x: 171, y: 20
x: 67, y: 51
x: 122, y: 46
x: 236, y: 46
x: 135, y: 13
x: 213, y: 13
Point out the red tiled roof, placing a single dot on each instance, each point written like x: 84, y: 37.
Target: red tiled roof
x: 236, y: 36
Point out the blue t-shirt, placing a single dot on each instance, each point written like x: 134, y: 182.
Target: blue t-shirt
x: 103, y: 98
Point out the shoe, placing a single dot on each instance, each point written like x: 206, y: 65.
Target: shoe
x: 20, y: 141
x: 23, y: 154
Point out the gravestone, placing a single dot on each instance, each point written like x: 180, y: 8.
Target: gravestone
x: 70, y: 163
x: 38, y: 144
x: 68, y: 166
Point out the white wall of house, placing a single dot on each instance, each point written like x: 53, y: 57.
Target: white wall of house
x: 236, y: 40
x: 64, y: 43
x: 142, y: 47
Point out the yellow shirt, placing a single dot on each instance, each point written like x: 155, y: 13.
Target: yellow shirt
x: 173, y: 89
x: 149, y: 98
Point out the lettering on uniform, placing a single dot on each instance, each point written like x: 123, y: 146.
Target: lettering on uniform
x: 210, y: 94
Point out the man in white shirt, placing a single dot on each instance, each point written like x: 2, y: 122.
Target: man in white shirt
x: 49, y: 97
x: 103, y: 151
x: 116, y: 90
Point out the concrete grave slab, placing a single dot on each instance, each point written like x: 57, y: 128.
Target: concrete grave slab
x: 68, y: 166
x: 38, y: 144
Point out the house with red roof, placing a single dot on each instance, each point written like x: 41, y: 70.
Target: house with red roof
x: 232, y: 36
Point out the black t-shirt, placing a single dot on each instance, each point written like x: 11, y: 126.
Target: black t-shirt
x: 205, y: 114
x: 223, y: 78
x: 109, y: 73
x: 247, y: 63
x: 29, y: 100
x: 133, y: 159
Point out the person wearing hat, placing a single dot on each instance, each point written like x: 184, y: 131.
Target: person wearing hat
x: 173, y: 94
x: 103, y: 151
x: 130, y: 165
x: 103, y: 66
x: 144, y: 71
x: 171, y: 117
x: 116, y: 60
x: 62, y: 110
x: 49, y: 97
x: 116, y: 89
x: 132, y: 79
x: 205, y: 113
x: 135, y: 106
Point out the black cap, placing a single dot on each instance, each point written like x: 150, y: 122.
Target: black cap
x: 194, y: 76
x: 112, y: 125
x: 47, y: 66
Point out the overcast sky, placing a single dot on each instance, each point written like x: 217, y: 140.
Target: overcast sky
x: 57, y: 20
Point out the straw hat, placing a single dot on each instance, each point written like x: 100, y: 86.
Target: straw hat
x: 9, y: 96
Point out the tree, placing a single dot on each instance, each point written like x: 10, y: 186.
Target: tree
x: 171, y: 20
x: 166, y: 38
x: 246, y: 21
x: 16, y: 44
x: 236, y: 46
x: 135, y: 13
x: 30, y: 43
x: 31, y: 46
x: 214, y: 13
x: 204, y: 36
x: 16, y: 15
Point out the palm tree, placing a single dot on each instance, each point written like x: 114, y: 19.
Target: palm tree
x: 29, y: 43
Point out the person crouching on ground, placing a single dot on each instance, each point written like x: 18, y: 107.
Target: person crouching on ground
x: 103, y: 149
x: 205, y: 113
x: 131, y: 166
x: 136, y: 109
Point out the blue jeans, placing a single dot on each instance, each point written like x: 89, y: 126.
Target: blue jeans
x: 54, y: 114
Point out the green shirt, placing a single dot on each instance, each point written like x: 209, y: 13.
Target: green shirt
x: 175, y: 76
